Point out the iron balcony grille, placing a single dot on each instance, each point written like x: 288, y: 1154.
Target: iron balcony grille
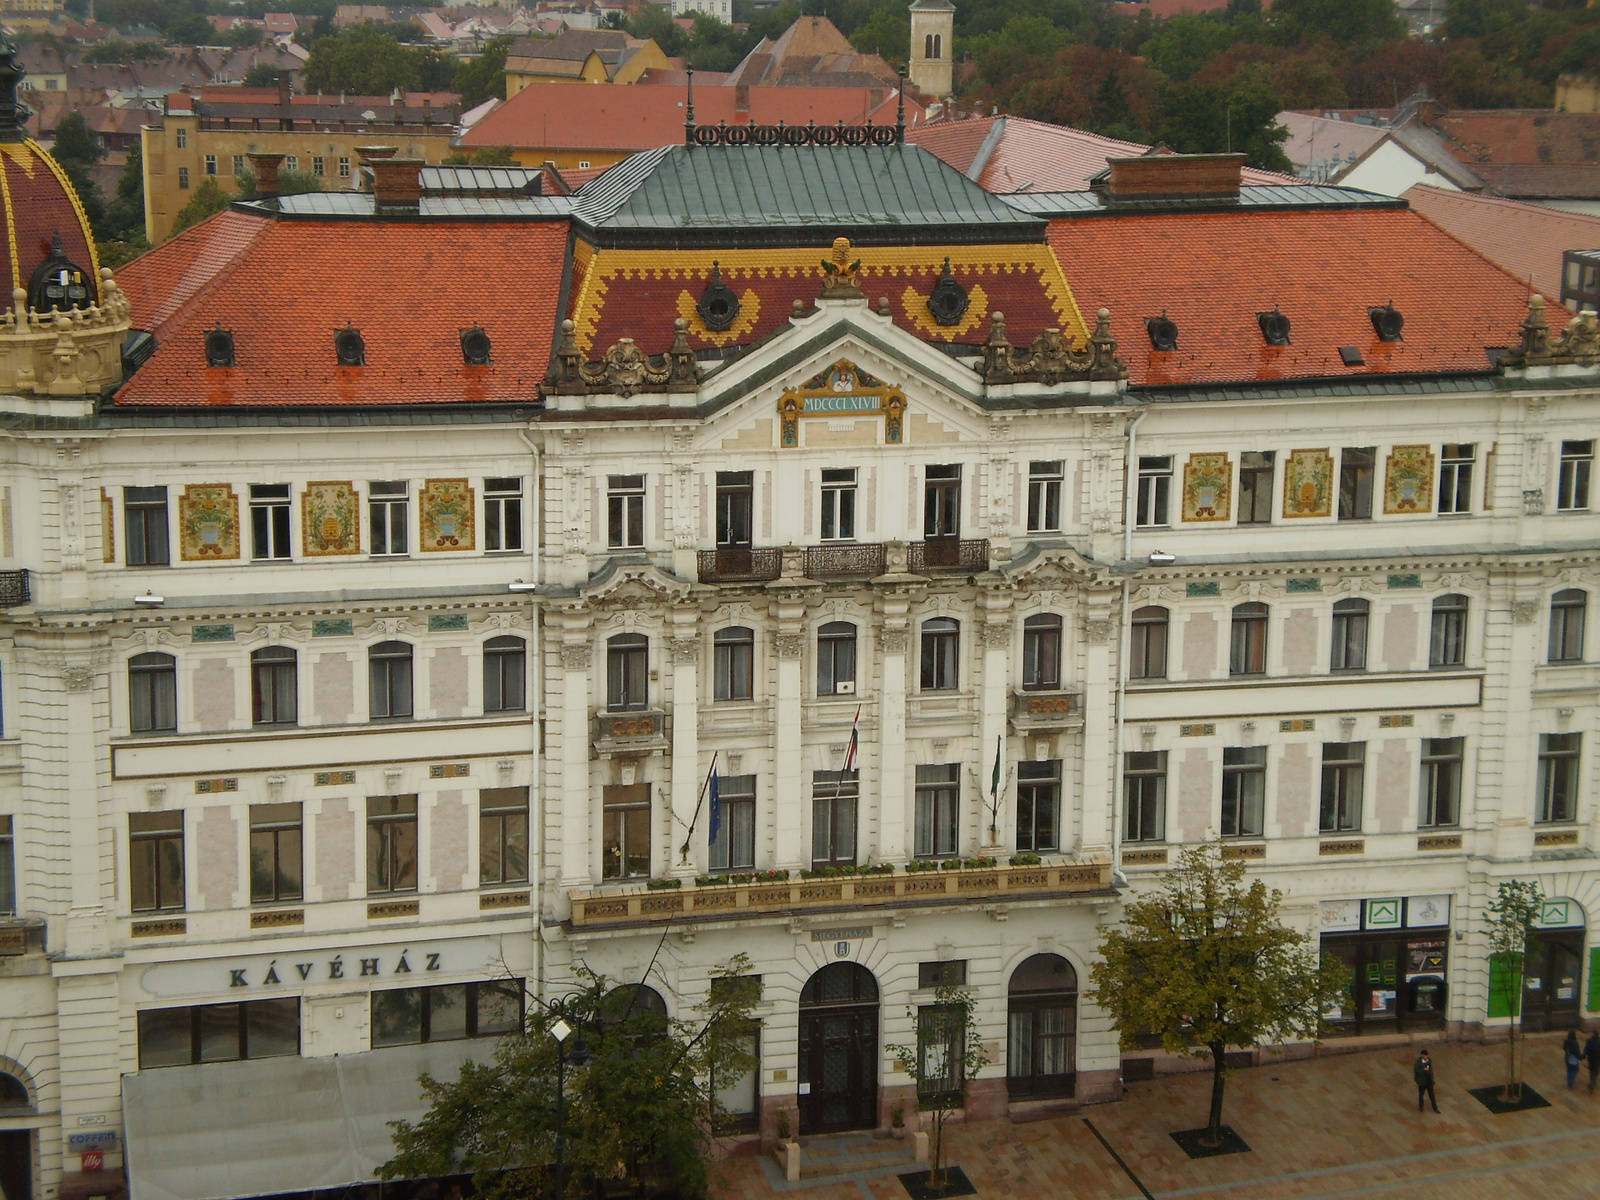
x: 13, y: 588
x: 740, y: 564
x: 948, y: 554
x: 826, y: 562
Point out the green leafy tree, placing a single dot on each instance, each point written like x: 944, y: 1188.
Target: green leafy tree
x: 488, y: 156
x: 208, y: 200
x: 368, y: 62
x: 191, y: 29
x: 76, y: 149
x: 1343, y: 22
x: 1206, y: 963
x: 119, y: 51
x: 1482, y: 18
x: 290, y: 183
x: 948, y: 1053
x: 125, y: 214
x: 261, y: 75
x: 484, y: 77
x: 1513, y: 916
x: 640, y: 1096
x: 654, y: 21
x: 245, y: 35
x: 1183, y: 44
x: 1201, y: 118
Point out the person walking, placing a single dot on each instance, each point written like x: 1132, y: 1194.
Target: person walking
x: 1591, y: 1055
x: 1572, y: 1055
x: 1422, y: 1072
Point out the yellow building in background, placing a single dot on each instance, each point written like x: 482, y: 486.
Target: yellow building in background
x: 582, y: 56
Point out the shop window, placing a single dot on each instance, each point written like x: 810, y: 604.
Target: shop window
x: 627, y: 672
x: 1441, y: 781
x: 1577, y: 467
x: 276, y: 848
x: 269, y: 520
x: 1155, y: 491
x: 1568, y: 608
x: 155, y: 862
x: 733, y: 823
x: 941, y: 642
x: 833, y: 817
x: 1343, y: 764
x: 1356, y: 466
x: 836, y: 659
x: 502, y: 836
x: 938, y: 797
x: 153, y: 693
x: 1455, y: 478
x: 446, y: 1013
x: 207, y: 1033
x: 1044, y: 496
x: 505, y: 664
x: 389, y: 680
x: 1244, y: 790
x: 1350, y: 619
x: 274, y: 686
x: 949, y: 973
x: 502, y: 514
x: 1147, y: 648
x: 1255, y: 487
x: 8, y: 866
x: 625, y: 834
x: 388, y: 506
x: 1447, y: 642
x: 1039, y: 806
x: 144, y: 513
x: 838, y: 504
x: 391, y: 844
x: 1247, y: 643
x: 1145, y: 796
x: 1558, y: 776
x: 625, y: 511
x: 733, y: 662
x: 1041, y: 652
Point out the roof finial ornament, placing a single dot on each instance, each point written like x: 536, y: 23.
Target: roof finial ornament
x: 839, y: 273
x: 900, y: 112
x: 13, y: 115
x: 688, y: 115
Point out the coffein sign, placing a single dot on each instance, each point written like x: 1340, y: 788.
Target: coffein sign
x: 390, y: 965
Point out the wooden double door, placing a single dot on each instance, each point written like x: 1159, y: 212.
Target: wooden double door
x: 838, y: 1068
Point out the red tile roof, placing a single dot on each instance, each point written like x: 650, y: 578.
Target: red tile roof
x: 37, y: 203
x: 1525, y: 239
x: 1527, y: 152
x: 1213, y: 272
x: 284, y: 287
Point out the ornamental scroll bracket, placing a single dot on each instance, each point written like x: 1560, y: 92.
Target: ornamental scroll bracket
x: 842, y: 390
x: 1578, y: 343
x: 624, y: 369
x: 1050, y: 358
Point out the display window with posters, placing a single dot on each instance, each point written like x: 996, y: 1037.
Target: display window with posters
x: 1396, y: 950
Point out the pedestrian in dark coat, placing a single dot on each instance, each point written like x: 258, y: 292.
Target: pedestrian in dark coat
x: 1422, y: 1072
x: 1591, y: 1055
x: 1572, y: 1055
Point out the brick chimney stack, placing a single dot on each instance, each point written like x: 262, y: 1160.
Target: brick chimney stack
x: 1154, y: 177
x: 283, y: 90
x: 265, y: 166
x: 397, y: 182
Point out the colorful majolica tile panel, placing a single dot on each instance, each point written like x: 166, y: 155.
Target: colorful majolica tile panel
x: 1308, y: 484
x: 1208, y: 487
x: 208, y: 522
x: 1408, y: 482
x: 331, y: 519
x: 447, y: 515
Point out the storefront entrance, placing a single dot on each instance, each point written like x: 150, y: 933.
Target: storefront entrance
x: 1552, y: 981
x: 839, y: 1050
x: 1397, y: 981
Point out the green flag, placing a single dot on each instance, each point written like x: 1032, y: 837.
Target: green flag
x: 994, y: 782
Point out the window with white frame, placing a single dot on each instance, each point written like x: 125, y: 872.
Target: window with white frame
x: 1577, y: 465
x: 502, y: 513
x: 1044, y: 496
x: 1455, y: 478
x: 624, y: 511
x: 838, y: 504
x: 269, y: 520
x: 387, y: 507
x: 1155, y: 491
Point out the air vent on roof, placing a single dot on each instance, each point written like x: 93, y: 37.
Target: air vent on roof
x: 1351, y: 356
x: 1387, y: 322
x: 719, y: 304
x: 948, y: 301
x: 1274, y: 327
x: 475, y: 347
x: 1163, y: 332
x: 219, y: 347
x: 350, y: 348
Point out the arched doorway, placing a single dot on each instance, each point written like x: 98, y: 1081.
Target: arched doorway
x: 1552, y: 977
x: 1041, y: 1046
x: 839, y: 1049
x: 16, y: 1145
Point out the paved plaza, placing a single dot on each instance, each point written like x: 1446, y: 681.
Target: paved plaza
x: 1341, y: 1125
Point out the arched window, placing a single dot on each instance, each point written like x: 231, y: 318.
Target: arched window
x: 836, y: 659
x: 1041, y: 652
x: 153, y: 693
x: 839, y: 983
x: 505, y: 664
x: 1567, y: 611
x: 627, y: 671
x: 389, y: 681
x: 1042, y: 1028
x: 1247, y: 648
x: 13, y: 1092
x: 1447, y: 644
x: 1147, y: 649
x: 941, y: 643
x: 274, y: 686
x: 635, y: 1007
x: 733, y: 662
x: 1350, y: 635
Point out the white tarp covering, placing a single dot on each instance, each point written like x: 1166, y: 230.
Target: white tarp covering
x: 227, y: 1130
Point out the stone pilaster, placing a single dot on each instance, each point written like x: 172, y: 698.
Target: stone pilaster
x: 683, y: 647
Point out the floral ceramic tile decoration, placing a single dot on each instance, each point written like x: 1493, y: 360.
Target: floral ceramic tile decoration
x: 1208, y: 487
x: 208, y: 522
x: 447, y: 515
x: 330, y: 519
x: 1308, y: 484
x: 1408, y: 482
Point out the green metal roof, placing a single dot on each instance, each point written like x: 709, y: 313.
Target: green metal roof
x: 704, y: 195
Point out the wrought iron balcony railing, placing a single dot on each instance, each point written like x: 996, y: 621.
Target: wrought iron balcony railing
x: 948, y: 554
x: 845, y: 559
x: 740, y: 564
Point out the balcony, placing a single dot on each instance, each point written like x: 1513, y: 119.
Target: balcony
x: 643, y: 906
x: 13, y: 588
x: 740, y: 564
x: 947, y: 554
x: 1046, y: 711
x: 845, y: 560
x: 631, y: 732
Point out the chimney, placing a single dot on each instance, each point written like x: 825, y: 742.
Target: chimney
x: 427, y: 111
x: 741, y: 98
x: 397, y: 182
x: 283, y: 89
x: 265, y: 167
x: 370, y: 155
x: 1155, y: 177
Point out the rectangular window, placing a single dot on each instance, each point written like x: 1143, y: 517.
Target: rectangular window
x: 502, y: 513
x: 344, y: 167
x: 144, y: 512
x: 950, y: 973
x: 941, y: 646
x: 291, y: 162
x: 733, y: 841
x: 938, y: 823
x: 269, y: 520
x: 1577, y: 464
x: 8, y: 867
x: 1147, y: 647
x: 735, y: 507
x: 625, y: 511
x: 740, y: 1098
x: 1349, y: 652
x: 206, y: 1033
x: 152, y: 694
x: 1041, y: 652
x: 941, y: 1047
x: 833, y: 817
x: 627, y: 672
x: 502, y: 836
x: 1447, y: 641
x: 1342, y: 769
x: 183, y: 179
x: 1441, y: 781
x: 1455, y: 478
x: 387, y: 505
x: 155, y: 862
x: 1558, y: 776
x: 275, y: 853
x: 1155, y: 490
x: 183, y: 139
x: 836, y: 659
x: 1247, y: 640
x: 1255, y: 487
x: 319, y: 165
x: 838, y: 504
x: 505, y: 663
x: 1044, y: 496
x: 733, y: 663
x: 211, y: 164
x: 625, y: 844
x: 1355, y: 483
x: 391, y: 844
x: 1039, y: 806
x: 1145, y: 796
x: 1244, y: 790
x: 447, y: 1013
x: 941, y: 502
x: 238, y: 165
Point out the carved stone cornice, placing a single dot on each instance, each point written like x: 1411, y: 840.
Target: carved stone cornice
x: 624, y: 369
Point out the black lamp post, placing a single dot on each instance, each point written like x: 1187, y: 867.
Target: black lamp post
x: 561, y: 1031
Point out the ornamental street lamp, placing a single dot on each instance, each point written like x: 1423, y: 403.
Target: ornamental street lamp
x: 561, y: 1031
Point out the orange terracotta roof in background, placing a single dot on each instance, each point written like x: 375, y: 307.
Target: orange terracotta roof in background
x: 408, y: 288
x: 1213, y: 272
x: 1525, y: 239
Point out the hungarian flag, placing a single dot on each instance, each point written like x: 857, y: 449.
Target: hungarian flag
x: 855, y: 743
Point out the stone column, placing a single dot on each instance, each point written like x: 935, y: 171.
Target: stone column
x: 791, y: 791
x: 996, y: 637
x: 577, y: 812
x: 894, y: 638
x: 1506, y: 799
x: 687, y: 770
x: 1097, y: 803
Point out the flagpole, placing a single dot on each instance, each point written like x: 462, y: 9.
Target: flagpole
x: 994, y: 791
x: 683, y: 851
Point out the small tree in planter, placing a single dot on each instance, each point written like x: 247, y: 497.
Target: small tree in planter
x: 1513, y: 913
x: 947, y: 1055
